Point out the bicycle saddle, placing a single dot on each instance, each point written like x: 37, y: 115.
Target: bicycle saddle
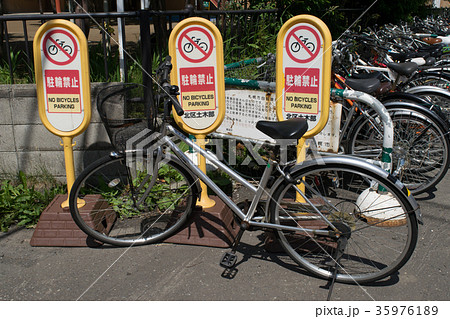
x: 430, y: 40
x: 371, y: 75
x: 406, y: 68
x: 289, y: 129
x: 364, y: 85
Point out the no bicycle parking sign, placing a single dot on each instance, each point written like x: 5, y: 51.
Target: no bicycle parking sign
x: 303, y: 72
x: 62, y: 78
x: 196, y: 48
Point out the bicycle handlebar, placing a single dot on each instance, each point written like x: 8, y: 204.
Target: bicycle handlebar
x: 171, y: 91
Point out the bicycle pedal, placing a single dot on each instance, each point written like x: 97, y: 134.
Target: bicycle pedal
x: 228, y: 260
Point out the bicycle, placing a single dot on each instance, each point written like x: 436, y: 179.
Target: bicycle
x: 338, y: 217
x: 421, y: 148
x: 53, y: 49
x: 296, y: 46
x: 188, y: 47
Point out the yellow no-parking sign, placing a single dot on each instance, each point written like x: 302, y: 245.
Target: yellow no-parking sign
x: 196, y: 48
x: 62, y: 77
x: 62, y: 82
x: 304, y: 71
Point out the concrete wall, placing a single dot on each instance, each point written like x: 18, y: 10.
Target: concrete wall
x: 25, y: 144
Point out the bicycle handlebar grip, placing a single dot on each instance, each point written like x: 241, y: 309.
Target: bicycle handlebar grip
x: 177, y: 106
x: 172, y: 92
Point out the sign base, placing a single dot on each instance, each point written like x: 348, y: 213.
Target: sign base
x: 56, y: 227
x: 214, y: 227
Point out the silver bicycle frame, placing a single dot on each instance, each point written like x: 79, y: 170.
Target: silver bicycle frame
x: 257, y: 191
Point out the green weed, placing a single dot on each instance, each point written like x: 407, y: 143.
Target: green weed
x: 23, y: 200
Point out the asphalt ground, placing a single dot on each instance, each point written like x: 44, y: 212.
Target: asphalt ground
x: 175, y: 272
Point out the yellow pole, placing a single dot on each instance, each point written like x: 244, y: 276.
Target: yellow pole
x: 301, y: 156
x: 204, y: 201
x: 70, y: 169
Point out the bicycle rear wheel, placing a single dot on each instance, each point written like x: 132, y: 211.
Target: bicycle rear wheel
x: 421, y: 148
x: 371, y: 212
x: 124, y: 206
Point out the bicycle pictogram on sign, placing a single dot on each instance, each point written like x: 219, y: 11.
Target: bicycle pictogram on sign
x: 60, y: 47
x: 195, y: 44
x: 303, y: 44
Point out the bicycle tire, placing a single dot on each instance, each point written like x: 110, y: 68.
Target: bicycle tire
x: 311, y: 47
x: 441, y: 80
x: 411, y: 126
x: 438, y: 99
x: 188, y: 47
x: 68, y: 49
x: 203, y: 46
x: 380, y: 229
x: 111, y: 188
x: 52, y: 49
x: 433, y: 100
x: 295, y: 47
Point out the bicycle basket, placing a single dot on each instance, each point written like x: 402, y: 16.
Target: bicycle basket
x: 122, y: 110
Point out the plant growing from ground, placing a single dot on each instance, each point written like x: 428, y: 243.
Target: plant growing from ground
x: 20, y: 69
x: 23, y: 200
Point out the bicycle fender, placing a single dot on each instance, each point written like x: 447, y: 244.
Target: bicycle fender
x: 428, y: 88
x: 351, y: 161
x: 404, y: 96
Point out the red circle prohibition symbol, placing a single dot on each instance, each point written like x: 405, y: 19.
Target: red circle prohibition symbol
x: 67, y: 50
x: 312, y: 55
x: 204, y: 47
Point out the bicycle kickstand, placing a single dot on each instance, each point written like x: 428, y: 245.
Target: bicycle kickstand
x: 341, y: 244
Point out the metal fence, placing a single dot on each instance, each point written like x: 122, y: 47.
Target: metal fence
x: 154, y: 30
x: 10, y: 46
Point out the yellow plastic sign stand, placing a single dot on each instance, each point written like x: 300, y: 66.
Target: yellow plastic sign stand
x: 303, y: 74
x: 196, y: 48
x: 61, y: 65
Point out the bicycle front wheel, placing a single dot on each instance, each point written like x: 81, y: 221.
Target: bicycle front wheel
x: 372, y: 213
x: 118, y: 200
x: 439, y: 99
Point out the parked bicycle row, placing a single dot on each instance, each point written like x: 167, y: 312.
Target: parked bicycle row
x: 143, y: 196
x: 339, y: 217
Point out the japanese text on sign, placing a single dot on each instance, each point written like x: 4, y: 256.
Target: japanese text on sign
x: 63, y: 92
x: 302, y: 90
x: 198, y: 89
